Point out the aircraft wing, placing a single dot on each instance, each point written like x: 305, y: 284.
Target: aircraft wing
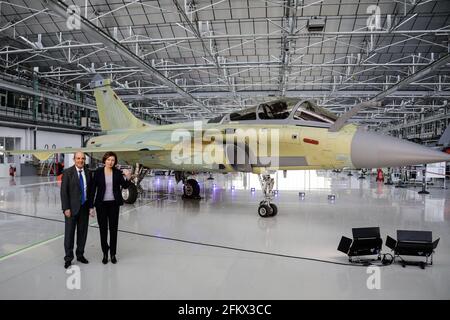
x: 44, y: 154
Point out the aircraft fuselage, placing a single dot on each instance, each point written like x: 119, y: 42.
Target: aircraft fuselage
x: 290, y: 147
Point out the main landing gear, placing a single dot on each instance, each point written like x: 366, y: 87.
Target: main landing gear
x: 266, y: 208
x: 130, y: 194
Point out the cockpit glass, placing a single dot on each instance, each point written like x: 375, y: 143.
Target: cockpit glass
x: 274, y: 110
x: 215, y: 120
x: 304, y: 115
x: 310, y: 112
x: 280, y: 110
x: 247, y: 114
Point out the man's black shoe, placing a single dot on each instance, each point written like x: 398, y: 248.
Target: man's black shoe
x: 82, y: 259
x: 113, y: 259
x: 105, y: 259
x: 67, y: 264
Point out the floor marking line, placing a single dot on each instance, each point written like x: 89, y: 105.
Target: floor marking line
x: 43, y: 242
x: 29, y: 247
x: 34, y: 184
x: 184, y: 241
x: 246, y: 250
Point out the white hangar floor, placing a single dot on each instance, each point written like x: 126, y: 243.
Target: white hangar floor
x: 218, y: 247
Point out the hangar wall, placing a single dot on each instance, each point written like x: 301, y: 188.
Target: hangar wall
x: 24, y: 139
x: 58, y: 140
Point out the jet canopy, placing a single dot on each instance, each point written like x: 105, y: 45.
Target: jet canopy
x: 282, y: 109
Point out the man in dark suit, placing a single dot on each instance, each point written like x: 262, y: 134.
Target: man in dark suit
x: 77, y: 205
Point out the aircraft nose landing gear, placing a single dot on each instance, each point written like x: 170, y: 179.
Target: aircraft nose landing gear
x: 266, y: 208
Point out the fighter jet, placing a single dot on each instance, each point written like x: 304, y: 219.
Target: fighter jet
x: 285, y: 134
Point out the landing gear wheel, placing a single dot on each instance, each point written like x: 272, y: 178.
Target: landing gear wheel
x: 266, y: 208
x: 191, y: 189
x: 265, y: 211
x: 274, y: 210
x: 130, y: 195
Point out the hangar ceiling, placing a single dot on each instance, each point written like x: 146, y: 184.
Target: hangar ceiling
x: 186, y: 60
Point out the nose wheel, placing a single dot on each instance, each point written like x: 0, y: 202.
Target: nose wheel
x: 266, y: 211
x: 266, y: 208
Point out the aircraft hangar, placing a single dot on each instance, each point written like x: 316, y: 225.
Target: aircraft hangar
x: 335, y: 84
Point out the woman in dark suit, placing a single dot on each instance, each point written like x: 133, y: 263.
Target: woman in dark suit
x: 108, y: 199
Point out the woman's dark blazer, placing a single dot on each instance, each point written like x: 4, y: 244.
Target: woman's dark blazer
x: 99, y: 185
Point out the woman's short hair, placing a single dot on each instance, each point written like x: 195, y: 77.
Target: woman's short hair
x: 109, y: 154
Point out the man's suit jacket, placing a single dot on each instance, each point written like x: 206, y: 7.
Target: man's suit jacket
x: 70, y: 189
x: 99, y: 185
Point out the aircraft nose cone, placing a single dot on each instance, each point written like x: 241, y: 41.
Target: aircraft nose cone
x: 372, y: 150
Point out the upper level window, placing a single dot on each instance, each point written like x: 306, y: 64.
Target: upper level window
x: 3, y: 99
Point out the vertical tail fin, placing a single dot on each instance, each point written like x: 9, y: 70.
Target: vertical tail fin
x: 444, y: 140
x: 112, y: 112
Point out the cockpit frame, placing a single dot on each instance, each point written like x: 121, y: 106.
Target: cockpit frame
x: 322, y: 122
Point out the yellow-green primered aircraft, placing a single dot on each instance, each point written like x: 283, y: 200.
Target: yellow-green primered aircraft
x: 285, y: 134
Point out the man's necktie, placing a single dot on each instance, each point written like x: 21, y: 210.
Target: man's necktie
x: 83, y: 198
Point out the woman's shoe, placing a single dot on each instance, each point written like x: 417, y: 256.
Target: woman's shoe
x: 113, y: 259
x: 105, y: 258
